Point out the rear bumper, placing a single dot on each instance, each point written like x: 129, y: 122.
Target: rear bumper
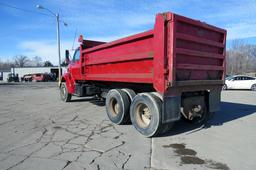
x: 173, y: 98
x: 197, y: 82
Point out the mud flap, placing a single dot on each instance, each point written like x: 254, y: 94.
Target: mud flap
x: 214, y: 100
x: 171, y: 109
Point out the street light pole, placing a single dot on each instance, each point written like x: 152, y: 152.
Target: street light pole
x: 58, y: 44
x: 58, y: 36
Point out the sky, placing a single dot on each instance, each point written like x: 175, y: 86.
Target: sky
x: 32, y: 32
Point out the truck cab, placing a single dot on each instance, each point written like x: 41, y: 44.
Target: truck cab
x: 74, y: 66
x: 73, y: 74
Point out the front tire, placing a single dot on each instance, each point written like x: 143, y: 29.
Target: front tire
x: 64, y: 95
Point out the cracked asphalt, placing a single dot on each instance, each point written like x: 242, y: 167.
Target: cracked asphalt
x: 38, y: 131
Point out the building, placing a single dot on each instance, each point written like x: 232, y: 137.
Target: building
x: 21, y: 71
x: 4, y: 74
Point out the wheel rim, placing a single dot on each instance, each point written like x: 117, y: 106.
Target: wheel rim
x: 114, y: 107
x: 143, y: 115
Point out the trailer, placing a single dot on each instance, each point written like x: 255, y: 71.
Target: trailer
x: 153, y: 78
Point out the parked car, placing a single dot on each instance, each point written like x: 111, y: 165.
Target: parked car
x: 240, y: 82
x: 27, y: 77
x: 13, y: 77
x: 37, y: 77
x: 40, y: 77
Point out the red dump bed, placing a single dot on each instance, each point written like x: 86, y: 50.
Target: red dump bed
x: 177, y: 52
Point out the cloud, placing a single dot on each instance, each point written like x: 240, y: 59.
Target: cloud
x: 241, y: 30
x: 105, y: 38
x: 237, y: 17
x: 139, y: 20
x: 45, y: 49
x: 110, y: 20
x: 111, y: 38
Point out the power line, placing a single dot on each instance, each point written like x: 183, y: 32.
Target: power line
x: 74, y: 40
x: 26, y: 10
x: 21, y: 9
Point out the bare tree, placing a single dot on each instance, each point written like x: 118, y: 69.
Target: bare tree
x: 48, y: 64
x: 37, y: 61
x: 21, y: 60
x: 6, y: 65
x: 241, y: 58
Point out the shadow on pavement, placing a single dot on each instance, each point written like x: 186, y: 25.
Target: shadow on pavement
x: 228, y: 112
x: 9, y: 83
x: 93, y: 100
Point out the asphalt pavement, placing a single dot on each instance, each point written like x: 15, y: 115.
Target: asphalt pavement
x: 38, y: 131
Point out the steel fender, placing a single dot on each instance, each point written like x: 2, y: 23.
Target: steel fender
x: 69, y: 83
x: 171, y: 109
x: 214, y: 100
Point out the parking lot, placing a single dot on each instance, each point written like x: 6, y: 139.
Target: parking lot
x: 39, y: 131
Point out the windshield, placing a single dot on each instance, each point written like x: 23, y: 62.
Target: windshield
x: 229, y: 78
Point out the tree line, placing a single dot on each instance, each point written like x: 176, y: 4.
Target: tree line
x: 241, y: 58
x: 24, y: 61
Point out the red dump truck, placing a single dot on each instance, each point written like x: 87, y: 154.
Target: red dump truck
x: 153, y: 78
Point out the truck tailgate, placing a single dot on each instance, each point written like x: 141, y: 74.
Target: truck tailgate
x: 196, y: 52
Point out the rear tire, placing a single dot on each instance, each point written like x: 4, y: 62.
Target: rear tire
x: 117, y: 106
x: 131, y: 94
x: 64, y: 95
x: 167, y: 126
x: 253, y: 88
x: 145, y: 113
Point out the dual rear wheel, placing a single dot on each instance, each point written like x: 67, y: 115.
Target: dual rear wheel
x: 144, y: 110
x: 117, y: 106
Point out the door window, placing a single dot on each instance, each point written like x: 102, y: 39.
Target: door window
x: 243, y: 78
x: 76, y: 56
x: 238, y: 78
x: 250, y: 78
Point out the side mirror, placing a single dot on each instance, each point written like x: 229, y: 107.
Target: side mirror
x: 67, y: 56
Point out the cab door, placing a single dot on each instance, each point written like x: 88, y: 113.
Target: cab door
x: 75, y: 66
